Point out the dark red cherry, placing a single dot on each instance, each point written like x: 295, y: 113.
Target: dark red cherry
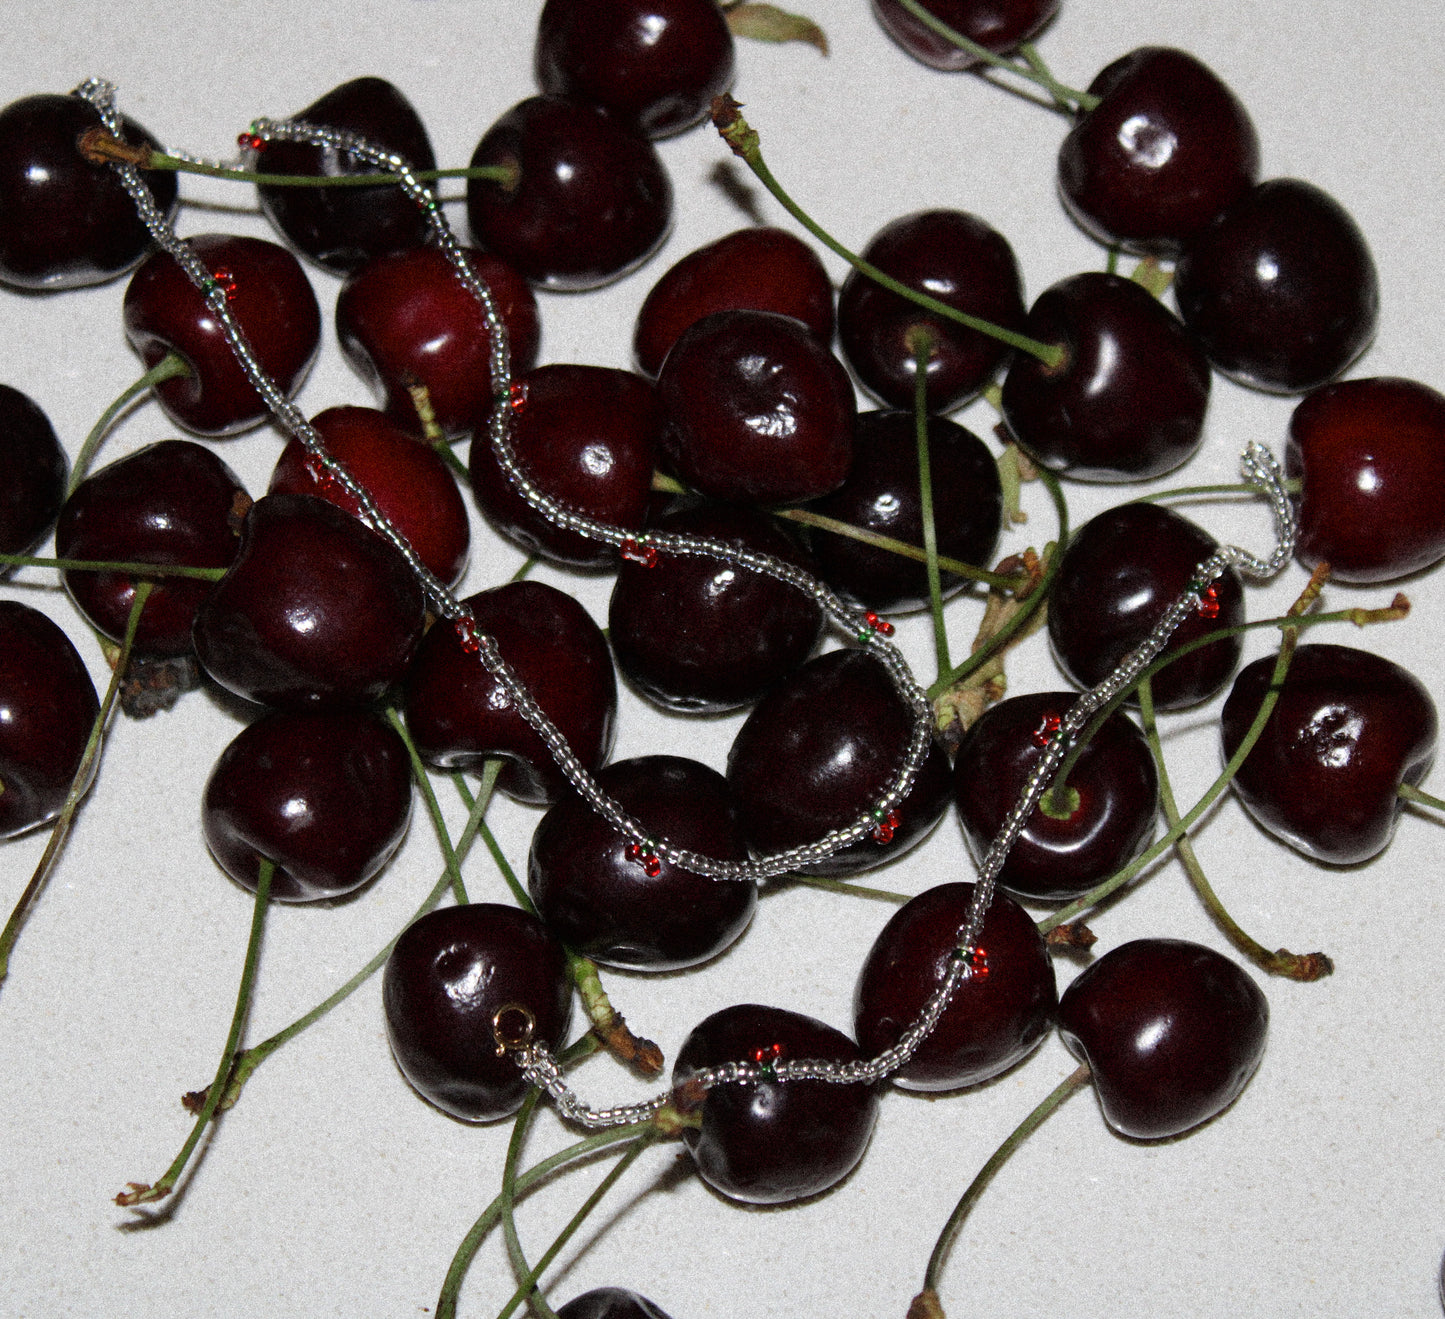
x: 408, y: 480
x: 763, y: 1142
x: 173, y: 503
x: 627, y: 908
x: 323, y: 794
x: 450, y: 973
x: 757, y: 410
x: 33, y: 469
x: 316, y: 611
x: 761, y: 268
x: 407, y: 319
x: 591, y: 199
x: 698, y: 635
x: 64, y: 222
x: 343, y: 228
x: 882, y: 495
x: 1167, y: 148
x: 655, y: 63
x: 996, y: 1017
x: 1349, y: 728
x: 585, y: 435
x: 268, y: 294
x: 47, y: 708
x: 1281, y: 289
x: 610, y: 1303
x: 1112, y: 805
x: 460, y: 716
x: 1171, y: 1030
x: 998, y: 25
x: 1128, y: 400
x: 1119, y: 574
x: 952, y: 256
x: 1370, y: 457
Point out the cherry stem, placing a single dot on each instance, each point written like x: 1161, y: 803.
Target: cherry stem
x: 423, y: 782
x: 168, y: 368
x: 1229, y: 488
x: 840, y: 886
x: 129, y: 568
x: 426, y: 415
x: 1409, y: 792
x: 79, y: 785
x: 139, y: 1192
x: 1282, y: 962
x: 1075, y: 1081
x: 744, y: 142
x: 920, y: 344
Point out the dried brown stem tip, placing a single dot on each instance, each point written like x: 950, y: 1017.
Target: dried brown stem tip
x: 728, y: 121
x: 926, y: 1305
x: 1071, y: 934
x: 101, y: 147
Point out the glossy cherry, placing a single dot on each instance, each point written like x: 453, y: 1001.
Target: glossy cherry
x: 1349, y: 728
x: 270, y: 297
x: 1114, y: 797
x: 323, y: 794
x: 65, y: 222
x: 655, y: 63
x: 591, y: 199
x: 47, y: 708
x: 757, y: 410
x: 627, y: 908
x: 996, y: 1017
x: 316, y: 611
x: 407, y: 319
x: 882, y: 494
x: 952, y: 256
x: 700, y: 636
x: 585, y: 435
x: 768, y: 1143
x: 610, y: 1303
x: 1167, y: 148
x: 1370, y: 458
x: 33, y: 469
x: 1127, y: 402
x: 460, y: 716
x: 1171, y: 1030
x: 450, y: 973
x: 997, y: 25
x: 343, y: 228
x: 1281, y: 288
x: 761, y: 268
x: 1119, y: 574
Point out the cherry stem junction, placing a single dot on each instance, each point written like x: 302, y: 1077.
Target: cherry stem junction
x: 1410, y: 793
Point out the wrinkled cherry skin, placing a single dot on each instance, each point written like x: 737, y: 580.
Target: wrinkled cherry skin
x: 1167, y: 148
x: 407, y: 479
x: 316, y: 611
x: 1171, y: 1030
x: 1349, y: 728
x: 343, y: 228
x: 952, y: 256
x: 761, y: 268
x: 1281, y: 289
x: 768, y: 1143
x: 585, y: 435
x: 47, y: 707
x: 997, y: 25
x: 592, y: 199
x: 1119, y: 574
x: 460, y: 716
x: 610, y: 1303
x: 407, y: 319
x: 1127, y: 402
x: 274, y: 305
x: 1056, y: 860
x: 882, y: 495
x: 694, y: 635
x: 756, y: 410
x: 65, y: 223
x: 1370, y: 456
x: 33, y: 468
x: 601, y: 901
x: 654, y: 63
x: 818, y: 750
x: 996, y: 1017
x: 449, y: 973
x: 323, y: 794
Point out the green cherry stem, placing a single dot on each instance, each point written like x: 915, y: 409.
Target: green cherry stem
x: 1410, y: 793
x: 743, y: 140
x: 423, y: 782
x: 141, y: 1193
x: 920, y: 344
x: 1203, y: 491
x: 130, y: 568
x: 839, y: 886
x: 168, y: 368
